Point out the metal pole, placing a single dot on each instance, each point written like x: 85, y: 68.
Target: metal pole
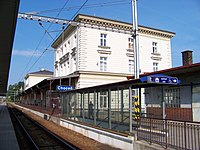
x: 131, y: 109
x: 109, y: 109
x: 135, y: 36
x: 50, y: 100
x: 95, y: 108
x: 83, y: 106
x: 163, y: 105
x: 77, y: 48
x: 75, y: 102
x: 135, y: 40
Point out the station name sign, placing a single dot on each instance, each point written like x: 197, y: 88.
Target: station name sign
x: 63, y: 88
x: 162, y: 79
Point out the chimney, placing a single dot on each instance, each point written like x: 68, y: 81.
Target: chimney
x: 187, y: 57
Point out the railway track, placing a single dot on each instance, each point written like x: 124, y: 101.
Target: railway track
x: 32, y: 135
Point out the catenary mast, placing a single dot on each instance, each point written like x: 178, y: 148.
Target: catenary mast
x: 135, y: 36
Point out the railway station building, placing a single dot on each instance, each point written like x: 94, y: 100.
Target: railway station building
x: 95, y: 60
x: 90, y: 54
x: 100, y: 50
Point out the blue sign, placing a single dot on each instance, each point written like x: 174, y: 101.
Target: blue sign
x: 162, y: 79
x: 64, y: 88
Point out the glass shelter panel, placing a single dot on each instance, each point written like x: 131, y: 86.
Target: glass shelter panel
x: 102, y: 108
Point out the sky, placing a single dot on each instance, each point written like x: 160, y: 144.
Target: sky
x: 32, y: 44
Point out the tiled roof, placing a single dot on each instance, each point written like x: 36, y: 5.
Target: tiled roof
x: 43, y: 72
x: 173, y: 71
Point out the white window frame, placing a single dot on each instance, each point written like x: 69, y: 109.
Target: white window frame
x: 74, y: 64
x: 103, y: 99
x: 68, y: 46
x: 131, y: 65
x: 103, y: 39
x: 130, y: 43
x: 103, y: 63
x: 155, y: 66
x: 172, y: 97
x: 155, y: 47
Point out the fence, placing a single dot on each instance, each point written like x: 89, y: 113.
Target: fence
x: 169, y: 133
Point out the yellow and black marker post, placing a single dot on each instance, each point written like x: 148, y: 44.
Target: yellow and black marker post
x: 137, y: 107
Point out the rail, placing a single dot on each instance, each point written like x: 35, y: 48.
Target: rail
x: 38, y: 135
x: 169, y: 133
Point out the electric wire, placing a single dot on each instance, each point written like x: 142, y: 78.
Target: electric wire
x: 156, y: 12
x: 56, y: 36
x: 94, y: 5
x: 46, y: 31
x: 21, y: 76
x: 119, y: 2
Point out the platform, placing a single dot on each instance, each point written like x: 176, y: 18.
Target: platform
x: 8, y: 140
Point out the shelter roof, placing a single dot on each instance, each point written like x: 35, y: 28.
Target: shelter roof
x: 8, y: 17
x: 173, y: 71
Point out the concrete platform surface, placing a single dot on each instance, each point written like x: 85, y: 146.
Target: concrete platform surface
x: 8, y: 140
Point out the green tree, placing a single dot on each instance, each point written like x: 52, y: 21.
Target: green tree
x: 14, y: 90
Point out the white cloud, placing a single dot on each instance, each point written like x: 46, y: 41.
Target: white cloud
x: 26, y: 53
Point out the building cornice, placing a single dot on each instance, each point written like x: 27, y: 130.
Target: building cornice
x: 67, y: 31
x: 104, y: 22
x: 39, y: 75
x: 110, y: 25
x: 102, y: 73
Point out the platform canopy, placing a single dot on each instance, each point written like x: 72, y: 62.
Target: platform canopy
x: 8, y: 17
x: 143, y: 82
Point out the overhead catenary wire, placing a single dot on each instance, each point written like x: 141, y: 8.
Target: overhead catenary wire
x: 94, y: 5
x: 56, y: 36
x: 21, y: 76
x: 46, y: 30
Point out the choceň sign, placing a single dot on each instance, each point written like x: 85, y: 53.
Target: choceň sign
x: 63, y: 88
x: 162, y: 79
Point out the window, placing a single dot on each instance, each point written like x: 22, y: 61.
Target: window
x: 103, y: 63
x: 64, y: 49
x: 61, y: 70
x: 103, y: 99
x: 154, y: 46
x: 172, y: 97
x: 103, y: 39
x: 131, y: 66
x: 74, y: 41
x: 196, y: 94
x: 74, y: 64
x: 68, y: 46
x: 155, y: 66
x: 130, y: 43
